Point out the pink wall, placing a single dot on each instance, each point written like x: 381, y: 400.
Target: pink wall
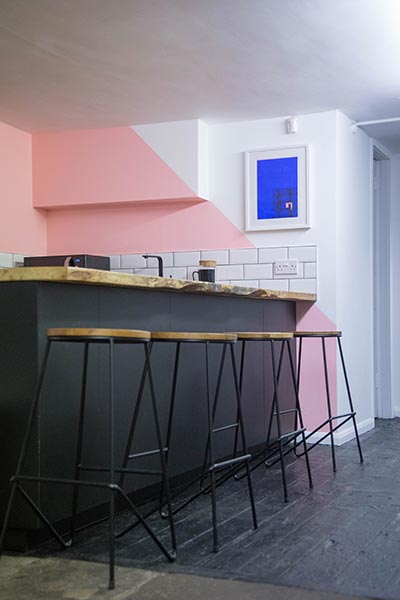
x: 152, y: 227
x: 22, y: 228
x: 100, y: 166
x: 108, y: 192
x: 312, y: 382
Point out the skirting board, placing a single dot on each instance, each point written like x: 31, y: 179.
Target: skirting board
x: 396, y: 411
x: 344, y: 434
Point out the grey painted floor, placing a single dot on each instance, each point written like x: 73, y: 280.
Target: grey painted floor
x: 344, y: 536
x: 59, y: 579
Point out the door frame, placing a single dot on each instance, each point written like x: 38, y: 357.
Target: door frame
x: 380, y: 170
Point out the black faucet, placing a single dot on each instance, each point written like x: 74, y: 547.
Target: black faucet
x: 160, y: 263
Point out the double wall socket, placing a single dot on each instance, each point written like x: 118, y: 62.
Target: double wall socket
x: 286, y: 267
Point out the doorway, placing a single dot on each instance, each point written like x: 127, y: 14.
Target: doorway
x: 381, y: 284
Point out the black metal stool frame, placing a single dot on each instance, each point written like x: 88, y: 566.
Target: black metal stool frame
x: 346, y: 416
x: 111, y: 469
x: 211, y: 411
x: 284, y: 439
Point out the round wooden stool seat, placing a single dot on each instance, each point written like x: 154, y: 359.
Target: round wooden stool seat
x: 318, y: 334
x: 84, y: 332
x: 264, y: 335
x: 189, y: 336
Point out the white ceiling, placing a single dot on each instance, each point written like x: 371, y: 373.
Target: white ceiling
x: 100, y: 63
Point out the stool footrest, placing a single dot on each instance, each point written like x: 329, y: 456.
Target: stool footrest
x: 292, y: 433
x: 346, y: 416
x: 350, y: 414
x: 286, y: 412
x: 234, y: 425
x: 122, y: 470
x: 63, y: 481
x: 231, y: 461
x: 147, y: 453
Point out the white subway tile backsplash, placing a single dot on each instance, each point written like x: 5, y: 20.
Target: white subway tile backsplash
x: 243, y: 256
x: 147, y: 271
x: 167, y: 257
x: 176, y: 272
x: 247, y: 267
x: 252, y: 283
x: 6, y: 259
x: 227, y: 272
x: 124, y: 271
x: 115, y: 262
x: 303, y: 253
x: 308, y: 286
x: 183, y: 259
x: 310, y: 270
x: 220, y: 256
x: 18, y: 259
x: 133, y: 261
x: 258, y: 271
x: 281, y: 285
x: 269, y: 255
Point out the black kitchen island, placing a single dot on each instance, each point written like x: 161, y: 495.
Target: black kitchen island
x: 35, y: 299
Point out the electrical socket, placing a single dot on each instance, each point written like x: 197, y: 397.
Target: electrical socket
x: 286, y: 267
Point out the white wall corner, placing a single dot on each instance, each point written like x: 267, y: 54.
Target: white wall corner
x: 183, y: 146
x: 203, y: 188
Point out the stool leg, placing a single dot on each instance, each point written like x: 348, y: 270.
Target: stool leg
x: 328, y: 399
x: 243, y: 436
x: 170, y: 419
x: 298, y: 388
x: 133, y: 423
x: 242, y: 354
x: 162, y: 455
x: 214, y: 411
x: 111, y: 583
x: 350, y: 400
x: 211, y: 451
x: 78, y: 455
x: 273, y: 406
x: 300, y: 416
x: 278, y: 420
x: 24, y: 448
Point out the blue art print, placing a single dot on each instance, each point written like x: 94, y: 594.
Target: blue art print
x: 277, y: 188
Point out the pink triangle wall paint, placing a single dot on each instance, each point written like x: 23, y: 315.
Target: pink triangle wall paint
x: 100, y: 166
x: 108, y: 192
x: 145, y: 227
x: 312, y: 382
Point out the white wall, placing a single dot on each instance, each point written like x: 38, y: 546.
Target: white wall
x: 183, y: 145
x: 354, y: 281
x: 340, y: 208
x: 227, y: 144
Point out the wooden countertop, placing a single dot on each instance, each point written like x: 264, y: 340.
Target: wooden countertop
x: 115, y: 279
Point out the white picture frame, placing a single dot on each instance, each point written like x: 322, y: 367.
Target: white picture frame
x: 276, y: 181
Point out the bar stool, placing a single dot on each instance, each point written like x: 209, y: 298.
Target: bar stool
x: 351, y: 415
x: 213, y: 465
x: 284, y: 439
x: 90, y: 337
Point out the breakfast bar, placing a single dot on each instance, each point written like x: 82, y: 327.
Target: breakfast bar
x: 35, y: 299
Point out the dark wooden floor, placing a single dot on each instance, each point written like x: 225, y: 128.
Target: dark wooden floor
x: 342, y: 536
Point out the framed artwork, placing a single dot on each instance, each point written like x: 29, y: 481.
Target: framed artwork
x: 277, y: 188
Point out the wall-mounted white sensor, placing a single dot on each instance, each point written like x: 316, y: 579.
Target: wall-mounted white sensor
x: 292, y: 125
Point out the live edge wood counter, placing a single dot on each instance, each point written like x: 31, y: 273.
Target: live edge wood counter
x: 35, y: 299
